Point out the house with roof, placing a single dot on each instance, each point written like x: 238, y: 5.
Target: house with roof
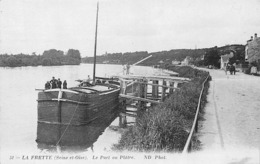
x: 252, y: 50
x: 176, y: 62
x: 186, y: 61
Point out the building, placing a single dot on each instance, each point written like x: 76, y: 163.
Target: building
x: 252, y: 50
x: 175, y: 62
x: 186, y: 61
x: 224, y: 59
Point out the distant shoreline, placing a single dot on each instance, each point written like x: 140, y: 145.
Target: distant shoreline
x: 38, y: 65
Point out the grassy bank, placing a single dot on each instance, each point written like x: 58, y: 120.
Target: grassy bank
x: 166, y: 127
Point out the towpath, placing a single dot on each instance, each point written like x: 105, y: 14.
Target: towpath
x: 232, y: 114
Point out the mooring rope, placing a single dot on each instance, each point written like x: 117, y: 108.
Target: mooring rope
x: 69, y: 122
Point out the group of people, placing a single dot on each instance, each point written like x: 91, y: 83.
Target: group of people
x: 231, y: 68
x: 55, y: 83
x: 126, y: 69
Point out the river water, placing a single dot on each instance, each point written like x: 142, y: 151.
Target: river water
x: 18, y: 105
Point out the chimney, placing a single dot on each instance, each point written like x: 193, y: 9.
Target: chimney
x: 255, y: 35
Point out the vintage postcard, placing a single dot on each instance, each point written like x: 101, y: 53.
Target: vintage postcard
x: 129, y: 81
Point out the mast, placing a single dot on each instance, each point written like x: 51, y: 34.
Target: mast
x: 95, y: 48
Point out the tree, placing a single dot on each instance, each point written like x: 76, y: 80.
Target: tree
x: 46, y: 62
x: 35, y: 61
x: 212, y: 57
x: 73, y: 56
x: 53, y: 53
x: 12, y: 61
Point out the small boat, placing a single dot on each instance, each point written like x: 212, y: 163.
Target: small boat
x: 82, y: 104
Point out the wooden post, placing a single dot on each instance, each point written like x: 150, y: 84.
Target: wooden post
x: 141, y: 94
x: 155, y: 89
x: 123, y: 86
x: 120, y: 120
x: 171, y: 85
x: 145, y: 89
x: 175, y: 85
x: 145, y: 93
x: 122, y: 116
x: 163, y: 91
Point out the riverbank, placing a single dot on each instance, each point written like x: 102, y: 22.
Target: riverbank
x: 166, y: 127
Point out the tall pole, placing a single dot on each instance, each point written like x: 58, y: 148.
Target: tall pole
x: 95, y: 48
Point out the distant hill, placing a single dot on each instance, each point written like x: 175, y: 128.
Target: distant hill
x: 118, y: 58
x: 167, y: 56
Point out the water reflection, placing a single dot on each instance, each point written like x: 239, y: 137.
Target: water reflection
x: 71, y: 138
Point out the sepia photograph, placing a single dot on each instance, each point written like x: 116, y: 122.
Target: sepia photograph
x: 130, y: 81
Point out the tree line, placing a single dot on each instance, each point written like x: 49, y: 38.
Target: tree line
x: 118, y: 58
x: 50, y: 57
x: 198, y: 57
x: 133, y: 57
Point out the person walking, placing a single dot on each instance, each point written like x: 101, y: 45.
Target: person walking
x: 226, y: 69
x: 234, y: 68
x: 127, y: 69
x: 124, y: 69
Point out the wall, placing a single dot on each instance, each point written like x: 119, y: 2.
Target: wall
x: 253, y: 51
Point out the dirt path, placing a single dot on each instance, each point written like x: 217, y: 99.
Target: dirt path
x: 232, y: 115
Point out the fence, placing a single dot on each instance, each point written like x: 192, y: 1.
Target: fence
x: 194, y: 128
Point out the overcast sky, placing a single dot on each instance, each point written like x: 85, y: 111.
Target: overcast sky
x: 125, y: 25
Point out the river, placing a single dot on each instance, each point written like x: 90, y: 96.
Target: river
x: 18, y: 105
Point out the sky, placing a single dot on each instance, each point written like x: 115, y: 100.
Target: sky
x: 28, y: 26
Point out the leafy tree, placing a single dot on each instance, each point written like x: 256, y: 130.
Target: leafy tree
x: 49, y: 57
x: 12, y: 61
x: 53, y: 53
x: 35, y: 61
x: 74, y: 54
x: 212, y: 57
x: 46, y: 62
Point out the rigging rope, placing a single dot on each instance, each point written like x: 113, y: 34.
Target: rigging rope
x: 69, y: 121
x: 137, y: 63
